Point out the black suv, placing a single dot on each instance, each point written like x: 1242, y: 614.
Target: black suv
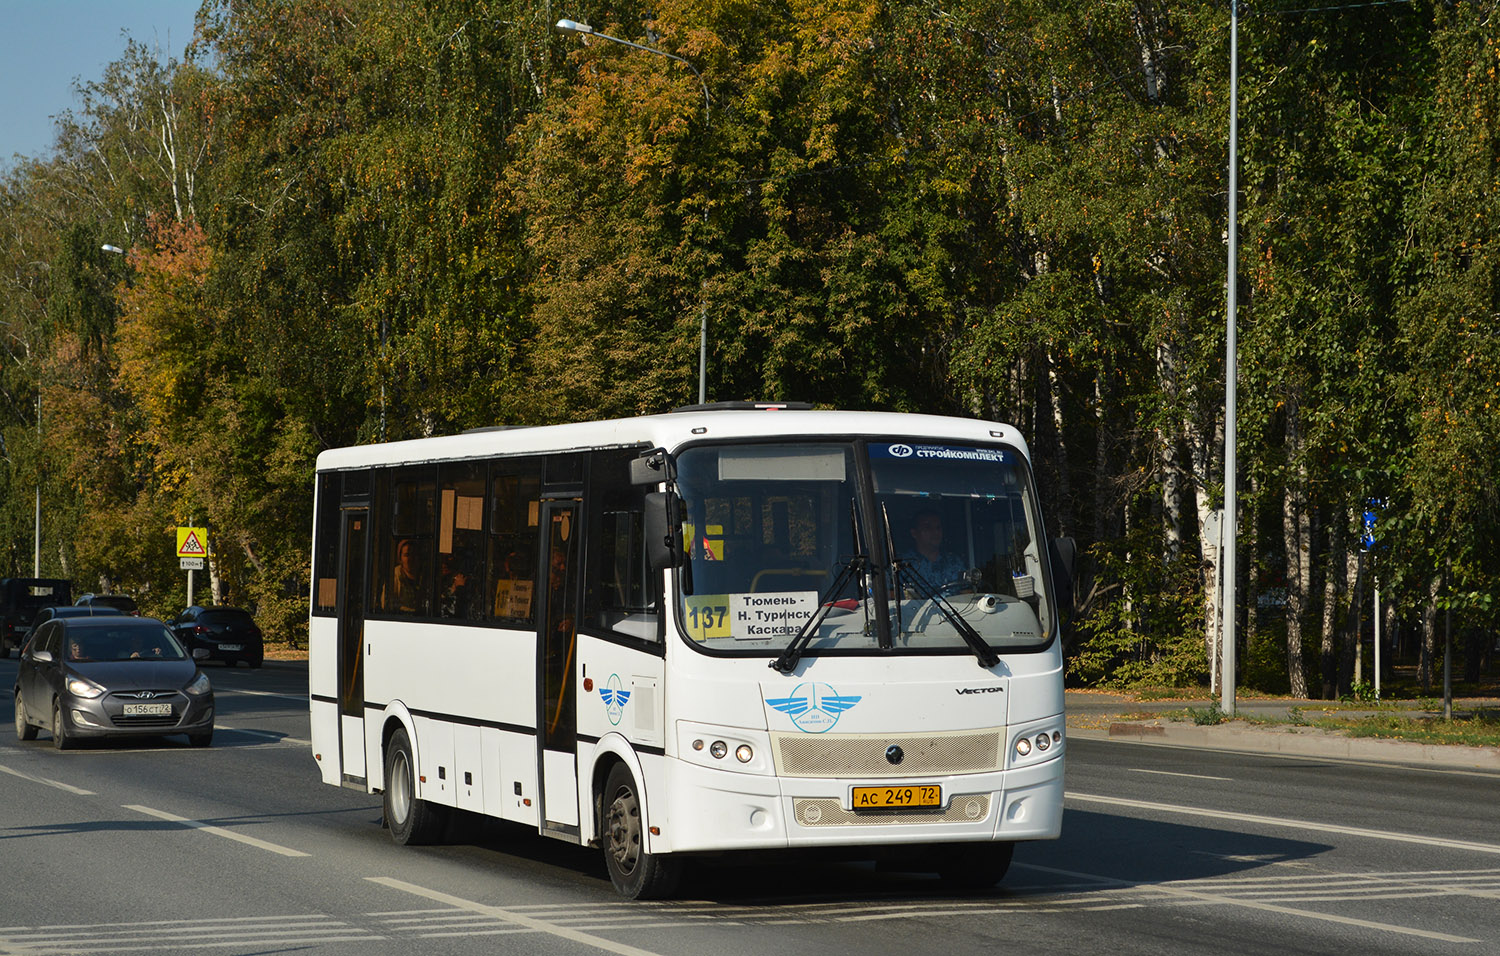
x: 20, y: 599
x: 226, y: 634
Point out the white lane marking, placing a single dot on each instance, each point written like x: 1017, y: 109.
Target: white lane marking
x: 1168, y: 773
x: 1196, y: 896
x: 1392, y: 764
x: 279, y: 738
x: 299, y: 698
x: 216, y: 831
x: 541, y: 926
x: 1286, y: 823
x: 50, y: 783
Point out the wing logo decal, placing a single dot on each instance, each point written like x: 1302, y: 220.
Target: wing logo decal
x: 615, y: 698
x: 813, y: 707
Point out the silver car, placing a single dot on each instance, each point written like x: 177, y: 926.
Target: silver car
x: 110, y: 676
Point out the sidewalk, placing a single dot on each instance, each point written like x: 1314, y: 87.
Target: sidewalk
x: 1097, y: 716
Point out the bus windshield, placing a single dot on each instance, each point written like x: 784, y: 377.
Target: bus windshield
x: 905, y: 545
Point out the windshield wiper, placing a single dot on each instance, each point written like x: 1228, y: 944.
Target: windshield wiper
x: 896, y: 566
x: 787, y: 662
x: 986, y: 654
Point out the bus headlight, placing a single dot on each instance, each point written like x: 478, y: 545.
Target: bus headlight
x: 1036, y: 742
x: 705, y: 745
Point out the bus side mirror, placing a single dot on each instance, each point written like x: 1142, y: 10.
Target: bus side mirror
x: 1064, y: 555
x: 650, y: 469
x: 663, y: 535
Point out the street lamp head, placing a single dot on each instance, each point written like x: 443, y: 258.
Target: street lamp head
x: 573, y: 26
x: 115, y: 249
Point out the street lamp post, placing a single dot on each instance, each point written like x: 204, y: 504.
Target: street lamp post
x: 584, y: 30
x: 1231, y: 372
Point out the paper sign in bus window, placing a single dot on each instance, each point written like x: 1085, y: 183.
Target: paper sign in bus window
x: 706, y: 616
x: 774, y: 615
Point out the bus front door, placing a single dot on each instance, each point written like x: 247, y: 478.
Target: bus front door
x: 557, y: 638
x: 351, y: 640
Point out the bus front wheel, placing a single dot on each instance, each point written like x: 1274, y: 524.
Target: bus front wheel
x: 974, y: 866
x: 413, y: 822
x: 636, y: 873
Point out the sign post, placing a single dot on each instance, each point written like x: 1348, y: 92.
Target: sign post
x: 192, y: 550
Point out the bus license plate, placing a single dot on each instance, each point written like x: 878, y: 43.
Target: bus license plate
x: 148, y: 710
x: 911, y: 795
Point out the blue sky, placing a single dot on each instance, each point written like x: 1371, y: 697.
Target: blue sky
x: 46, y: 44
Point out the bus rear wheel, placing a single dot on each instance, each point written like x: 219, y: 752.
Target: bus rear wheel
x: 636, y: 873
x: 413, y: 822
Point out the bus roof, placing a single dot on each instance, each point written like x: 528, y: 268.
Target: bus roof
x: 669, y: 431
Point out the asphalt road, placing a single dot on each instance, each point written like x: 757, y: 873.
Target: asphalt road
x: 239, y: 849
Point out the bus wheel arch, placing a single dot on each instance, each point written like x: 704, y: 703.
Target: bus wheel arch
x: 412, y: 820
x: 636, y: 872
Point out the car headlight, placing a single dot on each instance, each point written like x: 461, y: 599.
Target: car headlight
x: 199, y: 686
x: 86, y: 689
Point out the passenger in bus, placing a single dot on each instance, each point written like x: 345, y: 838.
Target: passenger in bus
x: 942, y: 569
x: 455, y: 594
x: 408, y: 590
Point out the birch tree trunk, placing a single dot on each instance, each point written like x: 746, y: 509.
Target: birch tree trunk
x: 1169, y: 456
x: 1349, y: 649
x: 1428, y: 651
x: 1334, y: 586
x: 1203, y: 447
x: 1296, y: 529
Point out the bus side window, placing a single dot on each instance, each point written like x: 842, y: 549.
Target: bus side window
x: 325, y: 561
x: 514, y: 513
x: 404, y: 525
x: 460, y: 540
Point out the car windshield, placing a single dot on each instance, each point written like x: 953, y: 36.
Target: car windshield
x: 945, y: 538
x: 93, y: 645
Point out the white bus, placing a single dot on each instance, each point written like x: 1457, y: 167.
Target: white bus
x: 725, y: 628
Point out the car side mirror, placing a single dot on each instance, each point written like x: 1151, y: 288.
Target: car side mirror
x: 200, y: 653
x: 44, y: 656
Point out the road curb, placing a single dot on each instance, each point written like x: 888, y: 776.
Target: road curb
x: 1297, y: 741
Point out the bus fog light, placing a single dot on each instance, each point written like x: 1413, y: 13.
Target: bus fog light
x: 698, y: 744
x: 1057, y: 736
x: 1043, y: 742
x: 718, y: 748
x: 743, y: 753
x: 1023, y: 747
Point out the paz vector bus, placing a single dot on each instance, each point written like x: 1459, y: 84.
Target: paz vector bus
x: 733, y: 627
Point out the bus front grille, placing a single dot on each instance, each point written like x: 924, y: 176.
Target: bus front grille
x: 888, y: 755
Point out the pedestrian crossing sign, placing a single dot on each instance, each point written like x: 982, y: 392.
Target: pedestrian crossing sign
x: 192, y: 542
